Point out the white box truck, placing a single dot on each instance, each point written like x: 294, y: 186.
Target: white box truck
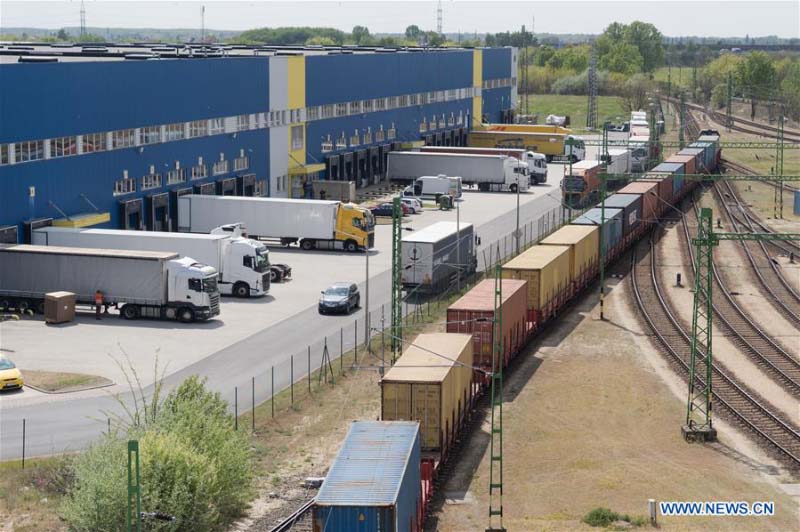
x: 488, y: 172
x: 434, y: 257
x: 242, y: 263
x: 313, y: 224
x: 537, y: 162
x: 141, y: 284
x: 619, y: 161
x: 431, y: 187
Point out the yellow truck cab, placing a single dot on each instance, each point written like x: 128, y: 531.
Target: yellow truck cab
x: 354, y: 223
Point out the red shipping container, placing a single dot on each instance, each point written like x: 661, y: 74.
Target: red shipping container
x: 478, y: 304
x: 651, y: 205
x: 664, y: 187
x: 689, y: 162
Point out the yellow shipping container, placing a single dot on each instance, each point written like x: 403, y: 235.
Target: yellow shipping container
x: 431, y: 389
x: 546, y: 268
x: 583, y: 241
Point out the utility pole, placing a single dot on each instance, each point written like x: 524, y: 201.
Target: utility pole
x: 602, y: 243
x: 83, y: 20
x: 779, y: 159
x: 439, y: 17
x: 397, y: 281
x: 591, y: 111
x: 682, y: 116
x: 496, y: 398
x: 458, y: 246
x: 729, y: 104
x: 669, y: 80
x: 203, y: 24
x: 134, y: 520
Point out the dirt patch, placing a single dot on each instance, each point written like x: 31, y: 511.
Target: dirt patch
x: 60, y: 382
x: 588, y: 422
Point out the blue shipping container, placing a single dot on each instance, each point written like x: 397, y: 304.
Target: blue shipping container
x: 676, y: 169
x: 631, y: 205
x: 797, y: 202
x: 612, y: 228
x: 374, y: 483
x: 709, y: 153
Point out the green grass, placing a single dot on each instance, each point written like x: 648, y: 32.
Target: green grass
x: 681, y: 76
x: 575, y: 107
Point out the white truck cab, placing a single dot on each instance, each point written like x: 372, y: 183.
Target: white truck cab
x: 578, y: 149
x: 195, y: 286
x: 431, y: 187
x: 537, y: 167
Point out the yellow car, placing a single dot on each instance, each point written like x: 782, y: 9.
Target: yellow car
x: 10, y: 377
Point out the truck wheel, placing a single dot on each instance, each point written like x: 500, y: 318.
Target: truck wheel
x: 6, y: 304
x: 23, y: 306
x: 130, y: 312
x: 351, y: 246
x: 307, y: 244
x: 513, y: 188
x: 241, y: 290
x: 273, y: 276
x: 186, y: 315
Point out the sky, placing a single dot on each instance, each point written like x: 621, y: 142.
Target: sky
x: 728, y: 18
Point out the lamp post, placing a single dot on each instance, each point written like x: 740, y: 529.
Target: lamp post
x: 516, y: 233
x: 366, y: 288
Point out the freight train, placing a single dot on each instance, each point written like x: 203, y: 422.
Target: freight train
x: 383, y: 476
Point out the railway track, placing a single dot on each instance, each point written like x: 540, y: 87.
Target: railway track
x: 781, y: 294
x: 297, y: 521
x: 743, y: 169
x: 733, y: 401
x: 740, y: 329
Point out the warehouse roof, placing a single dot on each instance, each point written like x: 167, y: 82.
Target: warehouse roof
x: 14, y: 52
x: 370, y: 466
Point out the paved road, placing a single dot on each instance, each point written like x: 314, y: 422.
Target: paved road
x: 66, y: 425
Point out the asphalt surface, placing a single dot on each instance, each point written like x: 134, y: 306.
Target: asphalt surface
x: 64, y: 425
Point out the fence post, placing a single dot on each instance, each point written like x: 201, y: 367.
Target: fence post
x: 23, y: 443
x: 355, y: 343
x: 253, y: 402
x: 272, y: 393
x: 309, y: 370
x: 291, y: 377
x: 236, y: 408
x: 341, y: 351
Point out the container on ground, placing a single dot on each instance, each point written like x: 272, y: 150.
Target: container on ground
x: 473, y: 314
x: 546, y: 268
x: 431, y: 383
x: 374, y: 482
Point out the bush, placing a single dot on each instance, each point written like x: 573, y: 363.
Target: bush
x: 603, y: 517
x: 193, y: 466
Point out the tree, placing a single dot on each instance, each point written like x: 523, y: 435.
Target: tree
x: 790, y: 89
x: 412, y: 32
x: 634, y: 93
x: 62, y: 35
x: 648, y: 40
x: 623, y: 58
x: 320, y: 41
x: 361, y: 34
x: 756, y: 76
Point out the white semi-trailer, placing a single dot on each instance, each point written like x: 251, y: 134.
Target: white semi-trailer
x: 141, y: 284
x: 310, y: 223
x: 488, y: 172
x: 537, y: 162
x: 242, y: 263
x: 434, y: 257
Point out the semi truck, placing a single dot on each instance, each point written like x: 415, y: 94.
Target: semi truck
x: 488, y: 172
x: 553, y: 146
x: 537, y: 163
x: 434, y: 257
x: 242, y: 263
x: 141, y: 284
x: 580, y: 187
x: 431, y: 187
x: 313, y: 224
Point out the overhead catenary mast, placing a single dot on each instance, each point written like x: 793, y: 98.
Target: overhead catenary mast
x: 83, y: 20
x: 439, y: 17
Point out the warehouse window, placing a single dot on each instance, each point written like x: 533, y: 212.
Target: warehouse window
x: 367, y: 106
x: 392, y: 102
x: 150, y: 135
x: 216, y: 126
x: 200, y: 171
x: 151, y: 181
x: 63, y: 146
x: 380, y: 104
x: 341, y: 142
x: 379, y: 135
x: 403, y: 101
x: 124, y: 186
x: 176, y: 176
x: 242, y: 123
x: 355, y: 107
x: 423, y: 126
x: 297, y: 137
x: 354, y: 139
x: 391, y: 133
x: 31, y: 150
x: 327, y: 145
x: 94, y: 142
x: 174, y: 132
x: 240, y: 163
x: 4, y: 154
x: 312, y: 113
x: 341, y: 109
x: 220, y: 167
x: 123, y: 138
x: 432, y: 124
x: 198, y: 128
x: 327, y: 111
x: 452, y: 94
x: 368, y: 137
x: 413, y: 99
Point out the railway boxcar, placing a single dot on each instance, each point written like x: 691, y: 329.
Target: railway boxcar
x: 375, y: 482
x: 583, y: 251
x: 474, y: 314
x: 546, y: 268
x: 650, y: 203
x: 612, y: 227
x: 676, y: 170
x: 631, y: 205
x: 431, y: 383
x: 664, y: 188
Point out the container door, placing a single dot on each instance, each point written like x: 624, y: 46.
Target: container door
x: 396, y: 402
x: 131, y: 214
x: 158, y: 216
x: 173, y: 204
x: 426, y: 408
x: 246, y: 185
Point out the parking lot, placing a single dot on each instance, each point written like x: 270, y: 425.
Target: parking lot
x: 94, y: 345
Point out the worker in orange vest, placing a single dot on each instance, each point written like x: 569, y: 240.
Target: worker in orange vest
x: 98, y: 302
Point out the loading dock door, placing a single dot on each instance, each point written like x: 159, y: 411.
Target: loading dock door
x: 206, y: 189
x: 9, y: 234
x: 332, y: 163
x: 246, y: 184
x: 362, y: 166
x: 226, y: 187
x: 347, y: 167
x: 158, y: 212
x: 429, y: 140
x: 28, y: 227
x: 384, y: 159
x: 173, y: 203
x: 131, y: 214
x: 375, y: 175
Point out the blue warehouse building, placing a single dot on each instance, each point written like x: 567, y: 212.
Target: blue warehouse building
x: 111, y: 136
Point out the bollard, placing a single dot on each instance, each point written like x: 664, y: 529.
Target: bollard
x: 272, y: 393
x: 23, y: 443
x: 719, y: 223
x: 791, y: 257
x: 236, y: 408
x: 651, y: 508
x: 677, y: 279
